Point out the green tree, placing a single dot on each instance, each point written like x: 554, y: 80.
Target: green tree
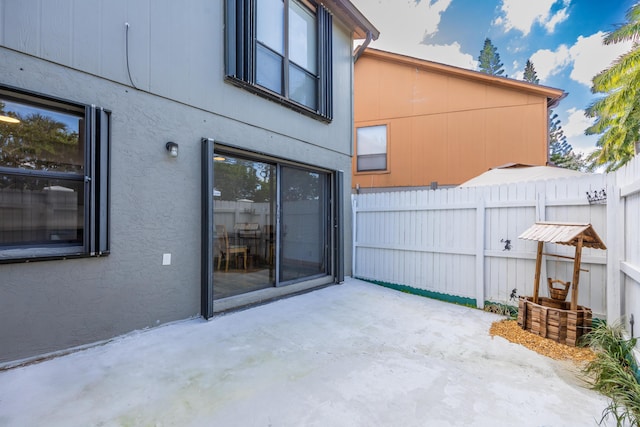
x: 558, y: 144
x: 617, y: 113
x: 530, y: 73
x: 238, y: 179
x: 561, y: 152
x: 489, y: 59
x: 39, y: 142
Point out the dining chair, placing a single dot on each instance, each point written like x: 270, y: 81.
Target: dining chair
x: 226, y: 250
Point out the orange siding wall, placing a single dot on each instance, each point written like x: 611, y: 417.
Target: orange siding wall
x: 444, y: 128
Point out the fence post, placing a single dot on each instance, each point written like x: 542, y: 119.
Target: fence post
x: 541, y: 208
x: 480, y: 230
x: 615, y: 248
x: 354, y: 233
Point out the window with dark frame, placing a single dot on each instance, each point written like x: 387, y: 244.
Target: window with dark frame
x: 54, y: 166
x: 371, y: 148
x: 281, y: 49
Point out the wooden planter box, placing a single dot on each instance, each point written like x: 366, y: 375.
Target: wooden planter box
x: 554, y: 320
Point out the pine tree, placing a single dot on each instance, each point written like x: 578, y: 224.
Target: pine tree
x: 530, y: 73
x: 558, y: 144
x: 489, y: 59
x: 561, y: 153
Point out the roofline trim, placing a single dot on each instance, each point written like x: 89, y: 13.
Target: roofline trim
x: 350, y: 15
x: 554, y: 95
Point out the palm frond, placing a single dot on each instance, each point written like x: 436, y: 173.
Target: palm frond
x: 628, y: 31
x: 617, y: 113
x: 624, y: 69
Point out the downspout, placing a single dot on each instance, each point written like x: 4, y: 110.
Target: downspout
x: 362, y: 47
x: 356, y: 54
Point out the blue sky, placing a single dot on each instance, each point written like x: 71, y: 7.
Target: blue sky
x: 563, y: 39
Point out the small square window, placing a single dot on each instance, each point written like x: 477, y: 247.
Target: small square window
x: 371, y: 148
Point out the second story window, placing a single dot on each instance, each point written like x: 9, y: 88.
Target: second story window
x: 371, y: 147
x: 286, y: 54
x: 281, y: 49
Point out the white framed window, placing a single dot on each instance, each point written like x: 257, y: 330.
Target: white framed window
x: 371, y: 146
x: 54, y: 161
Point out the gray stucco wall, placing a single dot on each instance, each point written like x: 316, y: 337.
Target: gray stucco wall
x: 76, y: 51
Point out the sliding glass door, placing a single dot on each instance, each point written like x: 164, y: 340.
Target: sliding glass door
x: 270, y: 224
x: 303, y: 230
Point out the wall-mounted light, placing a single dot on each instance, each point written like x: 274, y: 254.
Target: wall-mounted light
x: 172, y: 148
x: 8, y: 119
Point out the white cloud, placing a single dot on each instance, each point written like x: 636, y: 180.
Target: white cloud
x: 576, y: 123
x: 587, y: 57
x: 405, y: 26
x: 518, y: 72
x: 522, y: 15
x: 405, y: 22
x: 447, y: 54
x: 548, y: 63
x: 556, y: 19
x: 432, y: 13
x: 590, y: 56
x: 583, y: 144
x: 573, y: 125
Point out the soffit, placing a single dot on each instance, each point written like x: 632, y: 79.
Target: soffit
x: 352, y: 18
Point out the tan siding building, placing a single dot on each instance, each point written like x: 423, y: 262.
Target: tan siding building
x: 419, y: 122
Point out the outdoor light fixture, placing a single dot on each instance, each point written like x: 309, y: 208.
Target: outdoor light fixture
x: 172, y: 148
x: 8, y: 119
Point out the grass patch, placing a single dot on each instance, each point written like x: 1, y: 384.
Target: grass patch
x: 467, y: 302
x: 614, y: 372
x: 506, y: 310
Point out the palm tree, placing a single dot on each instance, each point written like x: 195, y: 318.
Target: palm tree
x: 618, y: 112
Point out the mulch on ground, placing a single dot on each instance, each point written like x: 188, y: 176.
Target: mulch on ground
x: 510, y: 330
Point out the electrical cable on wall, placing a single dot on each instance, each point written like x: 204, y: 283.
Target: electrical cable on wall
x: 126, y: 36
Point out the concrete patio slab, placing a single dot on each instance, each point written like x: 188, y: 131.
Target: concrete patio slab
x: 351, y: 355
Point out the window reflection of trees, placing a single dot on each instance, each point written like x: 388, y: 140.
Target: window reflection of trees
x: 39, y: 142
x: 238, y: 179
x: 301, y: 185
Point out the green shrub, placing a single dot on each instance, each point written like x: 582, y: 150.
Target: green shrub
x: 507, y: 310
x: 614, y: 372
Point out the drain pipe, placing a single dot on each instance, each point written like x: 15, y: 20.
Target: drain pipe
x: 362, y: 47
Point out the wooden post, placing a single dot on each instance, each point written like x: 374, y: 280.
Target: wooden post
x: 576, y: 274
x: 536, y: 280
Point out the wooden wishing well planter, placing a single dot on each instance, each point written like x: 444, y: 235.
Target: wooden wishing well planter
x: 553, y: 317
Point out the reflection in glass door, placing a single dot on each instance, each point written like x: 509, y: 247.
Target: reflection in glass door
x: 252, y: 250
x: 244, y: 225
x: 303, y: 229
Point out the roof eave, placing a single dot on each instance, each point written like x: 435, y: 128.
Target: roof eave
x: 553, y: 95
x: 352, y: 17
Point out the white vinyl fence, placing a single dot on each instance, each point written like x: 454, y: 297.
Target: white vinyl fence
x: 462, y: 244
x: 623, y: 217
